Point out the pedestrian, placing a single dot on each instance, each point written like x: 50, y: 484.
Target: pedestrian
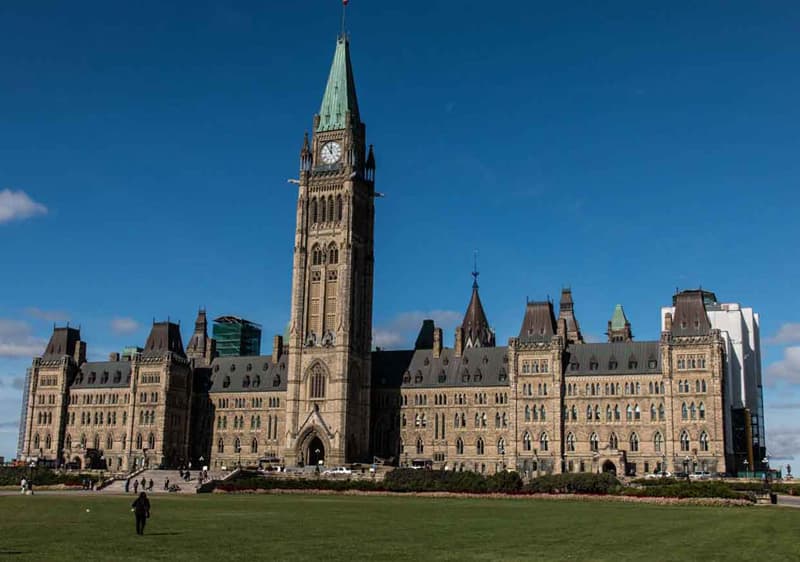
x: 141, y: 509
x: 144, y: 483
x: 30, y: 487
x: 166, y: 484
x: 135, y: 486
x: 23, y: 485
x: 150, y: 486
x: 127, y: 485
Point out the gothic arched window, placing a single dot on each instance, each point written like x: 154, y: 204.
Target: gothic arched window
x: 657, y: 442
x: 526, y: 441
x: 220, y: 445
x: 151, y: 441
x: 138, y: 440
x: 331, y: 212
x: 339, y: 208
x: 459, y: 446
x: 570, y: 442
x: 704, y: 441
x: 317, y: 382
x: 237, y: 445
x: 420, y: 446
x: 594, y: 442
x: 685, y: 441
x: 613, y: 442
x: 634, y: 442
x: 543, y: 441
x: 333, y: 254
x: 312, y: 211
x: 479, y: 448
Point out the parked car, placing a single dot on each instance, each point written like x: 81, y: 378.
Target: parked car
x: 337, y: 470
x: 665, y: 474
x: 700, y: 475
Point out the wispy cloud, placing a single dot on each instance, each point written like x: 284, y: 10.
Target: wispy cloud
x: 786, y: 369
x: 401, y: 331
x: 788, y: 333
x: 124, y: 325
x: 783, y: 444
x: 16, y: 340
x: 48, y: 315
x: 17, y: 205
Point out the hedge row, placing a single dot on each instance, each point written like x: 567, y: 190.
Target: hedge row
x: 12, y: 476
x: 683, y: 489
x: 574, y: 483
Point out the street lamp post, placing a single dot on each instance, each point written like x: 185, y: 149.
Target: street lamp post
x: 746, y: 472
x: 664, y: 466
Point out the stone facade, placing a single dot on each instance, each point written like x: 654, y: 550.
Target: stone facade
x: 547, y: 402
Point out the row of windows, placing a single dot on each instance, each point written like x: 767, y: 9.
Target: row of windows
x: 139, y: 441
x: 692, y: 361
x: 613, y: 365
x: 104, y: 377
x: 541, y: 389
x: 477, y: 376
x: 147, y: 417
x: 632, y: 413
x: 150, y: 378
x: 247, y: 382
x: 535, y: 366
x: 46, y: 398
x: 151, y: 397
x: 693, y: 412
x: 325, y: 210
x: 48, y: 380
x: 699, y: 386
x: 44, y: 418
x: 99, y: 418
x: 321, y: 256
x: 89, y: 399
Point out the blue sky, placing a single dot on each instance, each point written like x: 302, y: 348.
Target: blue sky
x: 624, y: 150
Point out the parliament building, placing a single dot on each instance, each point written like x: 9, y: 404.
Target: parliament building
x: 545, y: 402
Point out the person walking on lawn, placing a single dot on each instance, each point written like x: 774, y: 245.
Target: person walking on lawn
x: 141, y: 509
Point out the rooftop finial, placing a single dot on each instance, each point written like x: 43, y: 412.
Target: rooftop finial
x: 475, y: 269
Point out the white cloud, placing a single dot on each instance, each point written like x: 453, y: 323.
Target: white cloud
x: 401, y: 331
x: 48, y: 315
x: 787, y: 369
x: 16, y: 205
x: 783, y: 444
x: 16, y: 340
x: 787, y: 334
x: 124, y: 325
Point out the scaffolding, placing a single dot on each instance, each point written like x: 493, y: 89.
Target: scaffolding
x: 236, y: 337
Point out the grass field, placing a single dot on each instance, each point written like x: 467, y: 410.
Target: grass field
x: 289, y: 527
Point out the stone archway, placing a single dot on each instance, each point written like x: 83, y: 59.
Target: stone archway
x: 77, y: 463
x: 315, y: 452
x: 610, y: 467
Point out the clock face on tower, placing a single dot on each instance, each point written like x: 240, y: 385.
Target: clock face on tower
x: 331, y: 152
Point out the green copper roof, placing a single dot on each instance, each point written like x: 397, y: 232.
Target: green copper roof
x: 618, y: 321
x: 340, y: 93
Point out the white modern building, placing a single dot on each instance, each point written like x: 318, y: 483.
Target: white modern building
x: 743, y: 394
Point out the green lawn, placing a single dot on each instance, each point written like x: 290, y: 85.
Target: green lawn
x: 265, y: 527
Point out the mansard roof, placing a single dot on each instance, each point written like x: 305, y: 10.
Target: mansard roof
x: 62, y: 343
x: 539, y: 324
x: 340, y: 93
x: 248, y: 374
x: 477, y: 367
x: 690, y: 317
x: 165, y: 337
x: 103, y: 374
x: 596, y: 359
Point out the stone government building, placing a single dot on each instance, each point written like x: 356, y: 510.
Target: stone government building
x: 546, y: 402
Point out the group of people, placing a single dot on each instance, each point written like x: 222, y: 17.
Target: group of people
x: 145, y: 485
x: 88, y: 484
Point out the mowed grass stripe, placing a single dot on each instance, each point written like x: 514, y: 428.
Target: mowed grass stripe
x: 298, y: 527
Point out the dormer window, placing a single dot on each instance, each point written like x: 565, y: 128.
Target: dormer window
x: 276, y: 381
x: 257, y: 381
x: 652, y: 363
x: 266, y: 366
x: 226, y: 382
x: 406, y: 377
x: 418, y: 377
x: 442, y: 377
x: 426, y: 362
x: 574, y: 366
x: 92, y: 377
x: 612, y: 365
x: 249, y: 367
x: 594, y: 365
x: 233, y: 367
x: 246, y: 382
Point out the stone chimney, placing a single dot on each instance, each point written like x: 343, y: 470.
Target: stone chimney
x: 277, y: 348
x: 437, y: 342
x: 458, y: 348
x: 668, y: 322
x: 113, y: 356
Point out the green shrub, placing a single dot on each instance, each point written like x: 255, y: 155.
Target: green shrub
x: 11, y: 476
x: 411, y: 480
x: 574, y: 483
x: 683, y: 489
x: 504, y: 483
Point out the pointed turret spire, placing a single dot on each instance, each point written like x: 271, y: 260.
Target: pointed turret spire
x: 619, y: 329
x: 566, y: 311
x: 340, y: 93
x: 475, y: 329
x: 199, y: 340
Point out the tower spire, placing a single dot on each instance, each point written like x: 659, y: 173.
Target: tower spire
x: 344, y: 18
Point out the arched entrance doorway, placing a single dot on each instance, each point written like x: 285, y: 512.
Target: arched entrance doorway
x: 76, y: 463
x: 316, y: 452
x: 609, y: 467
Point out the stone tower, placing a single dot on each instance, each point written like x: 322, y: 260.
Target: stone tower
x: 330, y: 334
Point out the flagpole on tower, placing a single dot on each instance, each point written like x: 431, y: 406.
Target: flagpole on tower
x: 344, y: 17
